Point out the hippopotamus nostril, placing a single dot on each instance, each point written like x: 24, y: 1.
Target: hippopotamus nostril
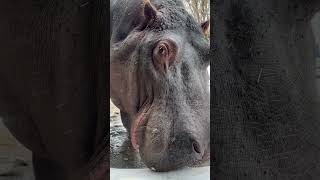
x: 196, y: 147
x: 186, y: 146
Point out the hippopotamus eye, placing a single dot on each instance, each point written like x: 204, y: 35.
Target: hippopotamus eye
x: 164, y: 54
x: 162, y: 50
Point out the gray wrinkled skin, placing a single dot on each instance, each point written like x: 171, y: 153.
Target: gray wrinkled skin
x: 178, y: 99
x: 264, y: 122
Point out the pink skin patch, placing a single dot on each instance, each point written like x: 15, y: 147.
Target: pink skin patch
x: 138, y: 122
x: 134, y: 127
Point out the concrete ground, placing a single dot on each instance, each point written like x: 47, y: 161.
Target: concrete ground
x: 202, y: 173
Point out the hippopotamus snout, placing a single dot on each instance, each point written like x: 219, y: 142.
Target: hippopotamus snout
x: 182, y: 149
x: 175, y: 135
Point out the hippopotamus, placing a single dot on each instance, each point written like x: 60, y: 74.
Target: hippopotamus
x: 54, y: 85
x: 159, y: 80
x: 265, y: 117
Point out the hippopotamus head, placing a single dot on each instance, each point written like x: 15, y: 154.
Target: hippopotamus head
x: 159, y: 79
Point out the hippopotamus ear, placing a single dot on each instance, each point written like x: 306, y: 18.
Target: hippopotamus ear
x: 149, y: 10
x: 150, y: 13
x: 205, y: 27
